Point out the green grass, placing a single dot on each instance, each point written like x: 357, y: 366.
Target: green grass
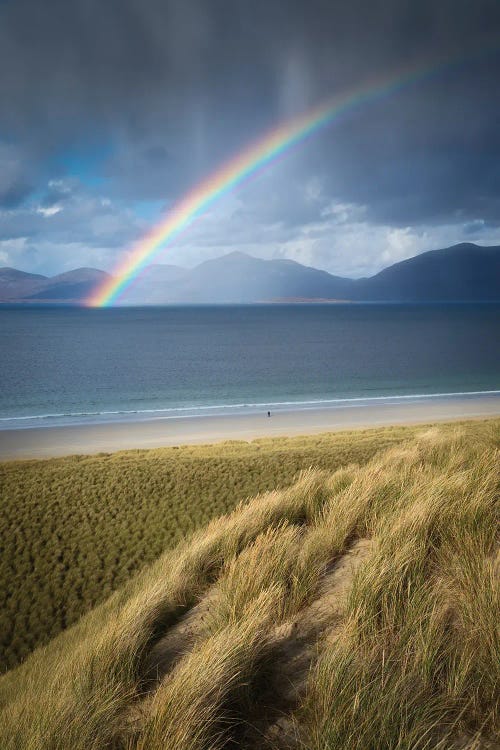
x: 399, y: 650
x: 72, y: 530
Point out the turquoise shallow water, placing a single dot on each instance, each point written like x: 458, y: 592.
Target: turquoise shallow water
x: 62, y: 365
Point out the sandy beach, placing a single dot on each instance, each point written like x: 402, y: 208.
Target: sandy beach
x: 44, y: 442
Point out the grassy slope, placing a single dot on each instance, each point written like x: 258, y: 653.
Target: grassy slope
x: 263, y: 631
x: 73, y: 530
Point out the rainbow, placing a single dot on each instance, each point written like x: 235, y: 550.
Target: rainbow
x: 236, y: 170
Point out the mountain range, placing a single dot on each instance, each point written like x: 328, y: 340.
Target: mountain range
x: 464, y: 272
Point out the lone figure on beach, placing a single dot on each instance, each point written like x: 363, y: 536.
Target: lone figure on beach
x: 268, y: 413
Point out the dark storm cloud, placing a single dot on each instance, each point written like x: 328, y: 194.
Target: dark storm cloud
x: 154, y: 93
x: 14, y: 194
x: 137, y: 64
x: 426, y: 155
x: 15, y: 176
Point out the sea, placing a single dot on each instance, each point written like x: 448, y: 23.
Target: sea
x: 61, y: 365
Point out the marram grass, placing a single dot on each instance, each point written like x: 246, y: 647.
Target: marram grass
x: 73, y: 530
x: 356, y: 609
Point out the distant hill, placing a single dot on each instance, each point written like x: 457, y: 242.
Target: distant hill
x: 241, y: 278
x: 156, y: 284
x: 462, y: 273
x: 16, y: 284
x: 71, y: 287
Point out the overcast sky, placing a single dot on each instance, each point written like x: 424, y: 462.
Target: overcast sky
x: 112, y: 109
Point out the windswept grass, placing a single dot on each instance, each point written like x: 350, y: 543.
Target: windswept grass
x: 421, y: 628
x: 200, y: 651
x: 73, y: 530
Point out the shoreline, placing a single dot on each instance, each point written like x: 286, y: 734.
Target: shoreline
x: 109, y: 437
x: 78, y: 419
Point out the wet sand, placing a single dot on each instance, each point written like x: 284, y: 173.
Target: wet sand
x: 44, y: 442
